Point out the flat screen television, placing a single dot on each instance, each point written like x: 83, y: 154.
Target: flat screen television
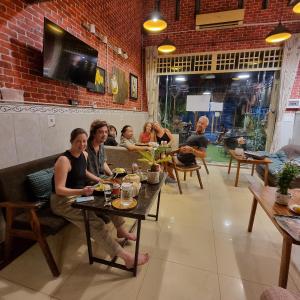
x: 67, y: 58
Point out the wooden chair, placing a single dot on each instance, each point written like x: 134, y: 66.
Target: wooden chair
x: 178, y: 168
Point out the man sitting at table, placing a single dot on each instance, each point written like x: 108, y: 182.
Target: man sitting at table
x: 195, y: 145
x: 97, y: 165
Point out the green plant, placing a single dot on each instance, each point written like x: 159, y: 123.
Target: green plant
x: 155, y: 157
x: 285, y: 177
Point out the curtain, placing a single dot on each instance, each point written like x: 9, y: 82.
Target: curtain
x: 290, y: 62
x: 152, y: 82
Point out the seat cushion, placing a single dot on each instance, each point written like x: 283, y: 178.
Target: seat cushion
x: 50, y: 222
x: 40, y: 183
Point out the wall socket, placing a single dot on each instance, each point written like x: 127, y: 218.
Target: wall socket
x: 51, y: 120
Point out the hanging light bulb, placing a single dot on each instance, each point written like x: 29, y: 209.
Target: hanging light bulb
x: 296, y: 8
x: 155, y: 22
x: 279, y: 34
x: 166, y: 47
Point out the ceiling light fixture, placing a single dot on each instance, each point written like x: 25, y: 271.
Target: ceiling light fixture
x: 279, y: 34
x: 180, y: 78
x: 243, y: 76
x: 296, y: 8
x: 155, y: 22
x: 207, y: 93
x: 166, y: 47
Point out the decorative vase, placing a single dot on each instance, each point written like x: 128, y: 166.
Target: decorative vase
x: 282, y: 199
x: 153, y: 177
x: 239, y: 151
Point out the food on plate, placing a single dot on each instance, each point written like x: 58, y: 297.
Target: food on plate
x: 119, y: 170
x: 101, y: 187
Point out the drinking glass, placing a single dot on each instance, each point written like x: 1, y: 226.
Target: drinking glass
x: 126, y: 193
x: 107, y: 197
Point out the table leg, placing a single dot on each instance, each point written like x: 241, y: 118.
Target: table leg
x: 252, y: 171
x: 229, y: 167
x: 237, y: 174
x: 266, y: 174
x: 137, y: 245
x: 157, y: 208
x: 285, y: 261
x: 88, y: 234
x: 252, y: 215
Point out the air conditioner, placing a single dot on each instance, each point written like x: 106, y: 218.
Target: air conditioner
x: 219, y: 20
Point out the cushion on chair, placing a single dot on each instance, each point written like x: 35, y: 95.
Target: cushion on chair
x: 278, y: 293
x: 40, y: 183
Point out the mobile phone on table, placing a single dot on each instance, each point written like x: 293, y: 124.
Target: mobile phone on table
x: 84, y: 199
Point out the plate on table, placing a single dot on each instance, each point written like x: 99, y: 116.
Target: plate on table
x: 295, y: 208
x: 141, y: 144
x: 119, y: 172
x: 100, y: 188
x: 255, y: 155
x: 117, y: 204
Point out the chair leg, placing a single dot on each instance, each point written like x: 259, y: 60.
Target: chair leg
x: 191, y: 174
x: 184, y: 176
x: 10, y: 212
x: 178, y: 181
x: 199, y: 179
x: 36, y: 228
x: 205, y: 166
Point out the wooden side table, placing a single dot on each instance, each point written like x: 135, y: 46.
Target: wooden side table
x: 265, y: 196
x: 241, y: 159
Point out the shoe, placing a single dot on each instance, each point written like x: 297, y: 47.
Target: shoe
x: 170, y: 180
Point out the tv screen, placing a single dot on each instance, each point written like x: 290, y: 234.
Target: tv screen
x: 66, y: 57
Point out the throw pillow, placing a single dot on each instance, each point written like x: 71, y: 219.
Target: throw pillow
x: 40, y: 183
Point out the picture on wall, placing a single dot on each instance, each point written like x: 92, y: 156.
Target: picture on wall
x: 99, y: 85
x: 133, y: 84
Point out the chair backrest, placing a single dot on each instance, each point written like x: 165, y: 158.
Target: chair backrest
x: 121, y: 157
x: 13, y: 186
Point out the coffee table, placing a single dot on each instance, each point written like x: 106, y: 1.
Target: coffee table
x: 265, y: 196
x: 146, y: 197
x: 241, y: 159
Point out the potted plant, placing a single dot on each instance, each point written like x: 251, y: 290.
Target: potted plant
x: 285, y: 177
x: 154, y: 158
x: 239, y: 150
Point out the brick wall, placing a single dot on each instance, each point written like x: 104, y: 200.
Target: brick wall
x: 296, y: 88
x: 21, y: 42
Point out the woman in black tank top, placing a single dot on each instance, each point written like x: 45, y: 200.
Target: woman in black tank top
x: 163, y: 134
x: 70, y: 172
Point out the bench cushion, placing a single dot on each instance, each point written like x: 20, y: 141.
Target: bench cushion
x: 40, y: 183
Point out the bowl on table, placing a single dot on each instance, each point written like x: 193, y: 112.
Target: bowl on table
x: 119, y: 172
x: 100, y: 188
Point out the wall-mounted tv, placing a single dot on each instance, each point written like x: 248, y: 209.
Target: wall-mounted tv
x: 67, y: 58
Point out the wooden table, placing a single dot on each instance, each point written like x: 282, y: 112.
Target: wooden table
x: 146, y: 197
x: 241, y: 159
x: 265, y: 196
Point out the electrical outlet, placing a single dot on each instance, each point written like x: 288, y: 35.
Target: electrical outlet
x: 51, y: 120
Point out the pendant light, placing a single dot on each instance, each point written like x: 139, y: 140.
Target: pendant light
x: 155, y: 23
x: 166, y: 47
x: 296, y: 8
x: 279, y: 34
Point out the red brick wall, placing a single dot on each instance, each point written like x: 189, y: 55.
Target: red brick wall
x: 21, y: 43
x: 187, y: 40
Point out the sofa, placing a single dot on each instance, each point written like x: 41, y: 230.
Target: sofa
x: 29, y: 217
x: 279, y: 158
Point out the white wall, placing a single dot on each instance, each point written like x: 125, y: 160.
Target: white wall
x: 25, y: 134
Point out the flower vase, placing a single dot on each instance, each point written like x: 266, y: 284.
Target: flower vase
x: 282, y: 199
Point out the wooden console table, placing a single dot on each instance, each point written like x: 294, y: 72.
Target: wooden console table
x: 265, y: 196
x: 244, y: 160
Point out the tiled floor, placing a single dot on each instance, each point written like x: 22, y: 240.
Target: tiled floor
x: 199, y: 249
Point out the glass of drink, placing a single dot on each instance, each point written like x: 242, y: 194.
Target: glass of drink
x: 126, y: 193
x: 107, y: 196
